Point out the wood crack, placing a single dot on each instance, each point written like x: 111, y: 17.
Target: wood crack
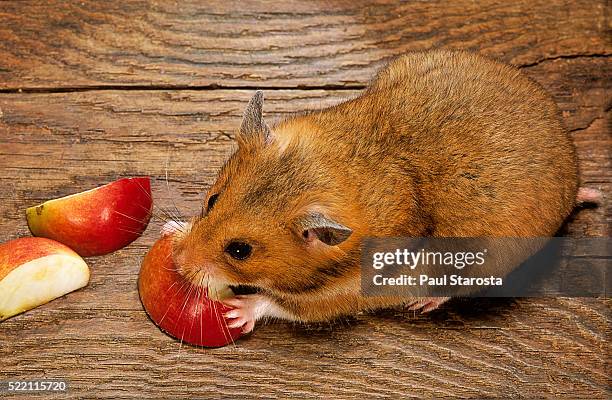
x: 564, y: 57
x: 582, y: 128
x: 214, y: 86
x: 72, y: 89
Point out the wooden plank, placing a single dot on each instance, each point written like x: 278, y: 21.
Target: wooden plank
x: 132, y: 132
x: 53, y: 144
x: 56, y: 44
x: 524, y: 348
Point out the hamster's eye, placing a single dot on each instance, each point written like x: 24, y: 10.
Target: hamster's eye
x: 211, y: 201
x: 239, y: 250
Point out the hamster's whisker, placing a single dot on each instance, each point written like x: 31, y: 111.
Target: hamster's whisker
x: 179, y: 224
x: 221, y: 321
x: 129, y: 231
x: 164, y: 214
x: 158, y: 212
x: 172, y: 298
x: 129, y: 217
x: 211, y: 310
x: 168, y: 216
x: 178, y: 213
x: 187, y: 298
x: 169, y: 269
x: 197, y: 298
x: 226, y: 330
x: 201, y: 292
x: 154, y: 213
x: 174, y: 269
x: 220, y: 318
x: 181, y: 344
x: 146, y: 192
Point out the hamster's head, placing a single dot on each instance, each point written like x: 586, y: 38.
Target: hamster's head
x: 273, y: 220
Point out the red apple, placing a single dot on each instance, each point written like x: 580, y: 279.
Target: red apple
x: 34, y: 271
x: 178, y: 307
x: 97, y: 221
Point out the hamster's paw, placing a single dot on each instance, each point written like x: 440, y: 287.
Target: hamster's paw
x: 427, y: 304
x: 246, y: 310
x: 172, y: 227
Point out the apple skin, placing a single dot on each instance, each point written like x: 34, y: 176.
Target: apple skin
x: 34, y: 271
x: 176, y: 306
x: 97, y: 221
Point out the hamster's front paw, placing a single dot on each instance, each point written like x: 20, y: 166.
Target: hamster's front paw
x: 427, y: 304
x: 246, y: 310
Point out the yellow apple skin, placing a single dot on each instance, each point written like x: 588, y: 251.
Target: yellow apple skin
x: 34, y: 271
x: 97, y: 221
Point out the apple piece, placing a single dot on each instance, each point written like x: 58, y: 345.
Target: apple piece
x: 97, y: 221
x: 177, y: 306
x: 34, y: 271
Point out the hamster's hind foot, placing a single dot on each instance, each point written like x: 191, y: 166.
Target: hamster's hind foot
x: 427, y: 304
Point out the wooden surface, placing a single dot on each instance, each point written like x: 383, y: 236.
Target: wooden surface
x: 94, y: 91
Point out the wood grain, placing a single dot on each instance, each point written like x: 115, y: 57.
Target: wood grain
x: 58, y: 44
x: 126, y: 89
x: 100, y: 339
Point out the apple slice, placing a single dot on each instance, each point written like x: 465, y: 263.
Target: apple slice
x: 178, y: 307
x: 97, y: 221
x: 34, y: 271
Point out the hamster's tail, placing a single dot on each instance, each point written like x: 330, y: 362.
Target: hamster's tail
x: 589, y: 196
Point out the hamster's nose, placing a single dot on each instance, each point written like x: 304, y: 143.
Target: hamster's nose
x: 186, y: 258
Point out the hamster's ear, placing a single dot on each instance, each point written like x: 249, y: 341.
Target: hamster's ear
x: 253, y: 127
x: 316, y: 226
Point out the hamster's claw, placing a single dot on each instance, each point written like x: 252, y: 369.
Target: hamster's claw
x: 427, y: 304
x: 244, y: 312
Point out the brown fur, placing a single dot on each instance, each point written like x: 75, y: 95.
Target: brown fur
x: 442, y: 143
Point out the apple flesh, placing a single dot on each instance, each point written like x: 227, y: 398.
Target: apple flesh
x: 97, y: 221
x: 34, y: 271
x: 177, y: 306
